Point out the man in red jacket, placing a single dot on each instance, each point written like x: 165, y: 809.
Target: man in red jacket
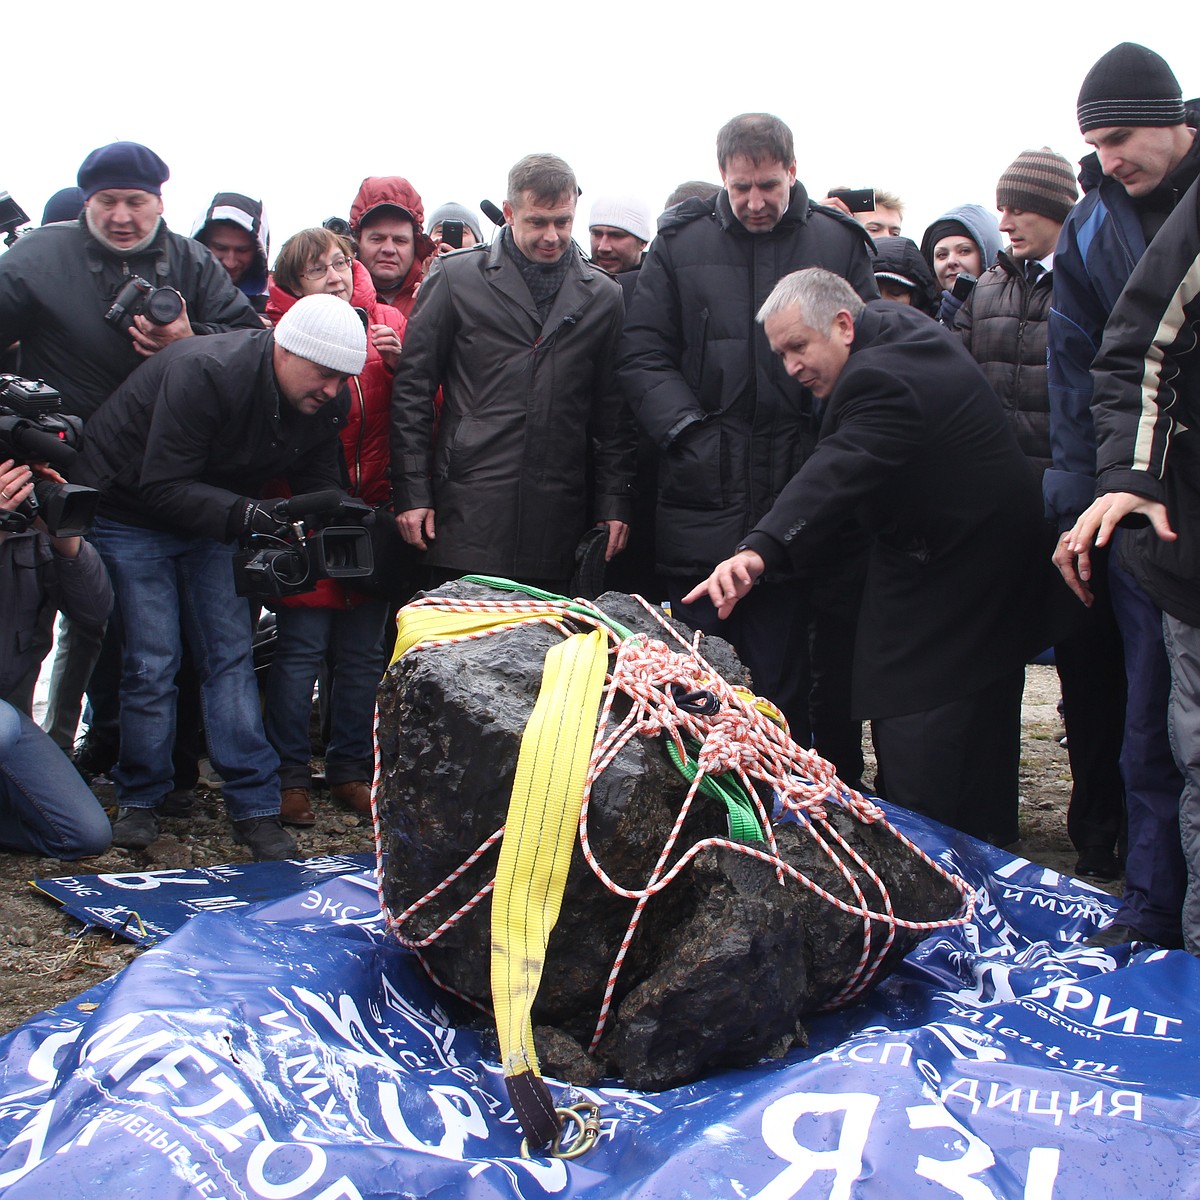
x: 388, y: 219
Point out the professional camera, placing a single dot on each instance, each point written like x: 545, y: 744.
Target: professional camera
x: 139, y: 298
x: 321, y: 536
x: 34, y: 429
x: 12, y: 217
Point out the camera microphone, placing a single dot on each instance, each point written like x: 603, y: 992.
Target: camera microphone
x: 312, y: 503
x: 492, y: 212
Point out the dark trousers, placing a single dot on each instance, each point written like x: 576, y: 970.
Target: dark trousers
x: 797, y: 641
x: 1091, y: 670
x: 959, y: 763
x: 1155, y: 873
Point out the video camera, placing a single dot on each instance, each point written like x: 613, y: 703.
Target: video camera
x: 321, y: 536
x: 12, y: 217
x: 34, y: 429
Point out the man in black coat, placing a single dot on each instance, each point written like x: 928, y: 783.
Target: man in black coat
x: 914, y: 443
x: 179, y: 453
x: 732, y: 428
x: 520, y: 336
x: 56, y: 285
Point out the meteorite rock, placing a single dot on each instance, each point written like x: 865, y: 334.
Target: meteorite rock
x: 726, y: 960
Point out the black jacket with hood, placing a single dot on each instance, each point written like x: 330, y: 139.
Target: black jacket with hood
x: 703, y: 381
x: 249, y: 215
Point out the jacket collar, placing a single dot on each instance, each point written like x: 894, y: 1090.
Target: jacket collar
x: 578, y: 288
x: 795, y: 214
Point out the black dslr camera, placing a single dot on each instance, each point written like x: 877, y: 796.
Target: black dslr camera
x: 139, y: 298
x: 321, y: 536
x: 34, y: 429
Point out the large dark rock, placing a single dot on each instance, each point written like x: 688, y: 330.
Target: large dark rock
x: 725, y: 962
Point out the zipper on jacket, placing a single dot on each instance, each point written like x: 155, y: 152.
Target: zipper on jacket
x: 362, y: 430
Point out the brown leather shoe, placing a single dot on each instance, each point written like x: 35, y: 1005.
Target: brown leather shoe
x: 355, y: 795
x: 295, y: 807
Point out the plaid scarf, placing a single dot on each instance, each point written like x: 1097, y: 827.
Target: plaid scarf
x: 542, y: 279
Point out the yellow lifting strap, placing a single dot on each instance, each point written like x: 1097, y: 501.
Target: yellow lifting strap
x: 540, y: 835
x: 426, y: 623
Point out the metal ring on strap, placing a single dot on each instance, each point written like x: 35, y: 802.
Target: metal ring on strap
x: 585, y: 1116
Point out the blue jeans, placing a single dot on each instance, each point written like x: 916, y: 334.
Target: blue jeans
x: 160, y: 580
x: 45, y: 807
x: 355, y: 635
x: 1155, y: 871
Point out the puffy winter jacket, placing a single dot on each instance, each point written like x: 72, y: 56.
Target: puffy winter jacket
x: 733, y: 428
x: 1003, y: 325
x: 1101, y: 242
x: 57, y: 283
x: 365, y: 435
x: 1147, y: 408
x: 396, y: 191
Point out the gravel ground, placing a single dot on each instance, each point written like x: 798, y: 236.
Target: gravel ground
x: 44, y: 959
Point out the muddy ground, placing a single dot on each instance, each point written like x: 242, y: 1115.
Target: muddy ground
x: 45, y: 959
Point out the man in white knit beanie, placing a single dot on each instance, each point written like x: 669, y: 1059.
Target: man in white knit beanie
x: 180, y: 454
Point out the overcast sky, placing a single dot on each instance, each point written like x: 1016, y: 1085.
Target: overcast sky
x: 297, y: 102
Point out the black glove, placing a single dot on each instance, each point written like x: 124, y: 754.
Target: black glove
x: 949, y: 309
x: 252, y: 517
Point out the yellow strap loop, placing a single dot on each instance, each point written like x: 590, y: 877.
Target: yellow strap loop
x: 540, y: 835
x: 419, y: 624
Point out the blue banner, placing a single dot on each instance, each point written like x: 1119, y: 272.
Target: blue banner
x: 289, y: 1051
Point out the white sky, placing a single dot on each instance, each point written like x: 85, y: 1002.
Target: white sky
x: 296, y: 102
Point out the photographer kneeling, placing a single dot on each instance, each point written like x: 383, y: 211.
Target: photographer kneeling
x: 180, y: 453
x: 45, y: 806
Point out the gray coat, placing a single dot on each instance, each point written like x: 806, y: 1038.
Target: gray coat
x: 531, y: 420
x: 35, y: 583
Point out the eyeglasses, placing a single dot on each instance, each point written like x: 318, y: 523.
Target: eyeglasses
x: 341, y: 263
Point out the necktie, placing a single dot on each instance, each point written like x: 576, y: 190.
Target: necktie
x: 1033, y: 271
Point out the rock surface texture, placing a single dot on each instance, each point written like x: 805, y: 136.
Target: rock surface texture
x: 726, y: 962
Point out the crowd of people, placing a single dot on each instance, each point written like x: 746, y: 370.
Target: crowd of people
x: 857, y: 456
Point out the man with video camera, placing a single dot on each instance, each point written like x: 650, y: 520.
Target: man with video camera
x: 45, y: 807
x: 180, y: 453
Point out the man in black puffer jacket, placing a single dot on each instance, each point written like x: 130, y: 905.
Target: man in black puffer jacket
x: 732, y: 428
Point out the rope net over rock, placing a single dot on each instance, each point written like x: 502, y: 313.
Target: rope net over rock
x: 743, y: 792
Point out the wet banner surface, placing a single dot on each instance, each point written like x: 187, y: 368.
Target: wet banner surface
x: 286, y: 1050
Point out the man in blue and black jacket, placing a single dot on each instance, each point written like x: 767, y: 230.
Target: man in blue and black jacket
x: 1131, y: 109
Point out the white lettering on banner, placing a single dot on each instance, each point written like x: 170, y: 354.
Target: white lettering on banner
x: 110, y: 1039
x: 779, y: 1122
x: 217, y: 903
x: 227, y: 1091
x: 34, y: 1133
x: 167, y: 1068
x: 278, y: 1189
x: 955, y: 1174
x: 1040, y: 1102
x: 77, y: 887
x: 461, y: 1118
x: 137, y: 881
x: 1095, y: 1011
x: 280, y: 1020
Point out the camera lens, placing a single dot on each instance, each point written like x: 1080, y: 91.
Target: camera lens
x: 163, y: 305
